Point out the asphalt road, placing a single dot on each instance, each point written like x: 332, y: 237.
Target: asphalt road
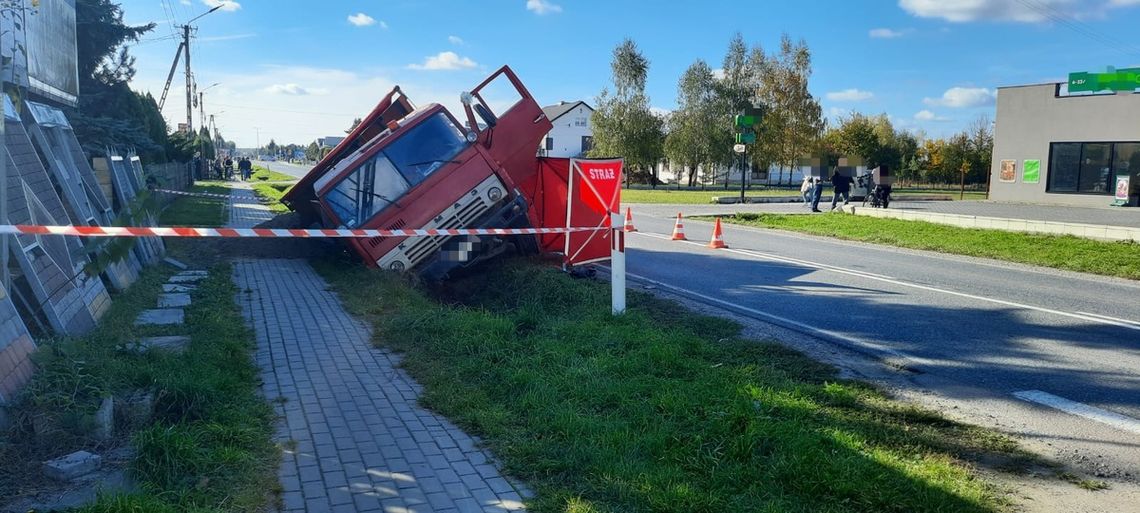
x: 1053, y: 357
x: 285, y: 167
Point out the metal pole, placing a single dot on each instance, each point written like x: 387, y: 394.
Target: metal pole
x: 742, y: 178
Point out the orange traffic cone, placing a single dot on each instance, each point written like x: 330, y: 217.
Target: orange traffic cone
x: 679, y: 229
x: 717, y: 241
x: 629, y: 220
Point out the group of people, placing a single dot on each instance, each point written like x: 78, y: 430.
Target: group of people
x: 812, y: 190
x: 224, y: 168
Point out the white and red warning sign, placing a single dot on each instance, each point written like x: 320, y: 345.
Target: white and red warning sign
x: 593, y: 199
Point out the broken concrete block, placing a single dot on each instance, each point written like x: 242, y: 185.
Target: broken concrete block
x: 174, y: 300
x: 173, y: 288
x: 178, y: 265
x: 161, y: 317
x: 105, y: 419
x: 134, y: 409
x: 73, y: 465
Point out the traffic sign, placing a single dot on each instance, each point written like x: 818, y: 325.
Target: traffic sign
x: 739, y: 148
x: 746, y: 138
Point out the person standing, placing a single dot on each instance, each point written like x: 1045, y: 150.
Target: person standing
x: 842, y: 184
x: 246, y: 168
x: 817, y: 194
x: 807, y: 189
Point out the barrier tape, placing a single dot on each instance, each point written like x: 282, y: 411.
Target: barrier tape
x: 198, y: 194
x: 183, y: 231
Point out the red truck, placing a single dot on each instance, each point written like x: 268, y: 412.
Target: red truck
x: 407, y: 167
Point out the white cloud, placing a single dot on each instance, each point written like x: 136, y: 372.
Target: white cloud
x: 926, y: 115
x: 834, y: 113
x: 541, y: 7
x: 1024, y: 11
x: 225, y: 38
x: 850, y: 95
x: 226, y: 5
x: 455, y: 40
x: 886, y: 33
x: 445, y: 61
x: 292, y: 89
x: 963, y: 97
x: 361, y: 20
x: 660, y: 112
x: 186, y: 2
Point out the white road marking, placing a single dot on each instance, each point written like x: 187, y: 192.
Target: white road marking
x: 1093, y: 413
x: 1117, y: 319
x: 786, y: 321
x: 853, y: 272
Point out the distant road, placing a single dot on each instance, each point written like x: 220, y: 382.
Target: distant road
x: 296, y: 170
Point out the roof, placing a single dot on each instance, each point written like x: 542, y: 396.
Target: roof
x: 560, y: 109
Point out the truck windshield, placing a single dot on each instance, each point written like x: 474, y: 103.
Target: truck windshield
x: 406, y: 162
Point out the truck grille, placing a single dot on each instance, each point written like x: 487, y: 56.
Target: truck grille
x: 422, y: 247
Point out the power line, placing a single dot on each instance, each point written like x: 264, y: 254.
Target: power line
x: 1080, y: 27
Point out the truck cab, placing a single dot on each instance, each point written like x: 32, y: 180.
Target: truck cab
x: 430, y: 170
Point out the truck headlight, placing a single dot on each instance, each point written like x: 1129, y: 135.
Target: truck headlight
x: 495, y: 194
x: 397, y: 266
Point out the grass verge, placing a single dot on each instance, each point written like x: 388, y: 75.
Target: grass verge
x: 687, y: 197
x: 266, y: 175
x: 196, y: 210
x: 271, y: 193
x: 1121, y: 259
x: 661, y: 409
x: 204, y: 444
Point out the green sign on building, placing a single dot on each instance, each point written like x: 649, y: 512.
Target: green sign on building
x: 1127, y: 79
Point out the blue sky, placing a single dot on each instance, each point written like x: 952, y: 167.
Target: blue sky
x: 297, y: 70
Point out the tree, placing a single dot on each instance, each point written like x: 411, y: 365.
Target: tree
x: 695, y: 128
x: 312, y: 151
x: 355, y: 123
x: 623, y: 124
x: 109, y: 113
x: 793, y: 124
x: 271, y: 148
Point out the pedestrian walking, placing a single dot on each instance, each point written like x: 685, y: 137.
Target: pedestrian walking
x: 229, y: 165
x: 807, y: 189
x: 817, y: 194
x: 246, y: 168
x: 842, y: 184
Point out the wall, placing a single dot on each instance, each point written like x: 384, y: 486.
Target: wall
x: 1031, y: 117
x: 567, y: 137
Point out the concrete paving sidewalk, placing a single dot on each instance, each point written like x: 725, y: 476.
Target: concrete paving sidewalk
x: 356, y: 439
x: 245, y: 210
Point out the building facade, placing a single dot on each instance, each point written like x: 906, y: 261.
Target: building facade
x: 1054, y: 148
x: 572, y: 135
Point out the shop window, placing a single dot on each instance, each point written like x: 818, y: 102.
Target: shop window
x: 1090, y: 168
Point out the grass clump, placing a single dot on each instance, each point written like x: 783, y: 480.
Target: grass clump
x: 271, y: 193
x: 660, y: 409
x: 1121, y: 259
x: 206, y: 444
x: 198, y: 210
x: 264, y: 174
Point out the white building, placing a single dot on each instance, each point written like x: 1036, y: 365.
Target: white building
x: 572, y: 134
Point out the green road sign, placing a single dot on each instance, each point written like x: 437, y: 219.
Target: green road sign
x: 745, y: 121
x: 747, y: 138
x: 1127, y: 79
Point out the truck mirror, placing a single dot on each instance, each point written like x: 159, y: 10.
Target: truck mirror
x: 489, y: 119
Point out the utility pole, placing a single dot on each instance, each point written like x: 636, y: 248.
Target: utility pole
x: 189, y: 92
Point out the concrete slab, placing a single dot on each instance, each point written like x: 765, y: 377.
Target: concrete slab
x: 72, y: 466
x: 161, y: 317
x: 174, y: 300
x: 197, y: 272
x: 176, y: 264
x: 186, y: 278
x: 175, y: 344
x: 172, y: 287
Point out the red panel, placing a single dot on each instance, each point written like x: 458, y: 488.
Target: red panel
x: 548, y: 193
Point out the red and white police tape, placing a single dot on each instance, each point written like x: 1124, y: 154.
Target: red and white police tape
x: 184, y: 231
x: 197, y: 194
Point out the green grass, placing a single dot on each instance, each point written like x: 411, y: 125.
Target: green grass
x: 207, y: 445
x: 198, y: 211
x: 661, y: 409
x: 264, y: 174
x: 1121, y: 259
x: 688, y: 197
x: 271, y: 193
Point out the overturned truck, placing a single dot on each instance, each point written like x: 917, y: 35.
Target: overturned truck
x: 404, y: 167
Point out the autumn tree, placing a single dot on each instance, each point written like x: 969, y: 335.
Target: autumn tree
x: 697, y: 132
x: 624, y: 126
